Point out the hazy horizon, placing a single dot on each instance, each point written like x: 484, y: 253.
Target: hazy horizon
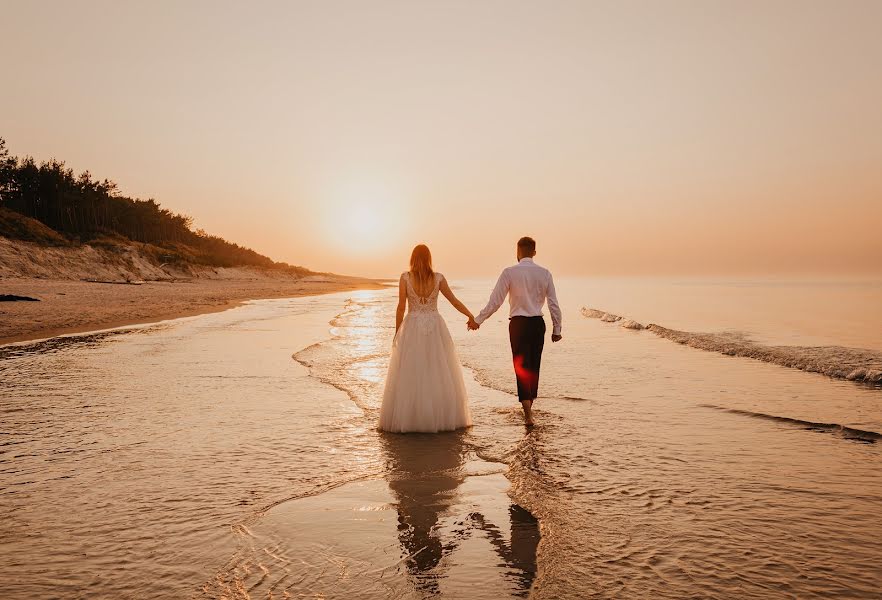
x: 676, y: 138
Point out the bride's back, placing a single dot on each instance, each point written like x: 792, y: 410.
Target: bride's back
x: 421, y: 296
x: 423, y: 284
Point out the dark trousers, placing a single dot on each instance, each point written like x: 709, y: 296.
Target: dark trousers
x: 527, y: 336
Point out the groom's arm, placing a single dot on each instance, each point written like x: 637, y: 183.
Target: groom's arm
x: 554, y: 309
x: 496, y: 299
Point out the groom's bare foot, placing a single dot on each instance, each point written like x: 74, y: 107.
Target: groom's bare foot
x: 528, y: 412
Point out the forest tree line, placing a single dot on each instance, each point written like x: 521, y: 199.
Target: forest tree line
x: 85, y: 210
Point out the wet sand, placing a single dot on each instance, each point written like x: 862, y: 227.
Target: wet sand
x: 68, y: 306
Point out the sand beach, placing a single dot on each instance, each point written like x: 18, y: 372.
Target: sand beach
x: 67, y: 306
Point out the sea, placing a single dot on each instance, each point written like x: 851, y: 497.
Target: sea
x: 695, y: 438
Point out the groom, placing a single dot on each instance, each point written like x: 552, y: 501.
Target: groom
x: 528, y: 287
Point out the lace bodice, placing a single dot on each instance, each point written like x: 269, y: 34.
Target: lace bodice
x: 422, y: 304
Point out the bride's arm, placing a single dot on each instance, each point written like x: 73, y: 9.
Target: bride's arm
x: 402, y: 303
x: 448, y: 293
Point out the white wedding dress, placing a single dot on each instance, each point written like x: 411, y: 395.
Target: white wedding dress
x: 424, y: 389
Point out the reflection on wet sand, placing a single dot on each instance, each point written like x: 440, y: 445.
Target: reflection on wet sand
x: 425, y: 473
x: 520, y: 553
x: 434, y: 525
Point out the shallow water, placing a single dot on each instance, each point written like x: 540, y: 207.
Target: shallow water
x: 235, y: 454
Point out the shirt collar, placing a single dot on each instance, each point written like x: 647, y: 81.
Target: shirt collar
x: 528, y: 259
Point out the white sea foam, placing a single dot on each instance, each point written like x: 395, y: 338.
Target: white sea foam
x: 606, y: 317
x: 853, y: 364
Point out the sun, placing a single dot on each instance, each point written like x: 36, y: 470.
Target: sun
x: 364, y: 220
x: 362, y: 224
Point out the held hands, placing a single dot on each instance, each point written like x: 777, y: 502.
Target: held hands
x: 472, y: 324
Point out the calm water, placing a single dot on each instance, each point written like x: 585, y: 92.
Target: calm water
x: 234, y: 455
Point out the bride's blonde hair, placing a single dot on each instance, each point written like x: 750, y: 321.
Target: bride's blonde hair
x: 421, y: 269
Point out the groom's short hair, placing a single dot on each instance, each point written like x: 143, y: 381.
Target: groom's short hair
x: 527, y: 244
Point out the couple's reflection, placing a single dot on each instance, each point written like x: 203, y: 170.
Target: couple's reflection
x: 425, y: 472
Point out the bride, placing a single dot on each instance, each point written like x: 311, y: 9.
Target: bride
x: 424, y: 386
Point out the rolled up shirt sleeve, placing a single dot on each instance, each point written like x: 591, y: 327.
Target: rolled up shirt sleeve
x: 553, y: 307
x: 497, y: 297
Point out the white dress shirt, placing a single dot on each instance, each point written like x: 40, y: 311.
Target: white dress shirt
x: 528, y: 286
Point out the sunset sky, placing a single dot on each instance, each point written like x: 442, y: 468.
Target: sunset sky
x: 627, y: 137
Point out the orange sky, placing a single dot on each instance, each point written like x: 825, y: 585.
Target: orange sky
x: 627, y: 137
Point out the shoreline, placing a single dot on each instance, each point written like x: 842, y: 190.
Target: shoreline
x: 69, y: 307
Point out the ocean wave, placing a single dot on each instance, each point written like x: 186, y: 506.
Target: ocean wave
x: 839, y: 362
x: 850, y: 433
x: 608, y: 317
